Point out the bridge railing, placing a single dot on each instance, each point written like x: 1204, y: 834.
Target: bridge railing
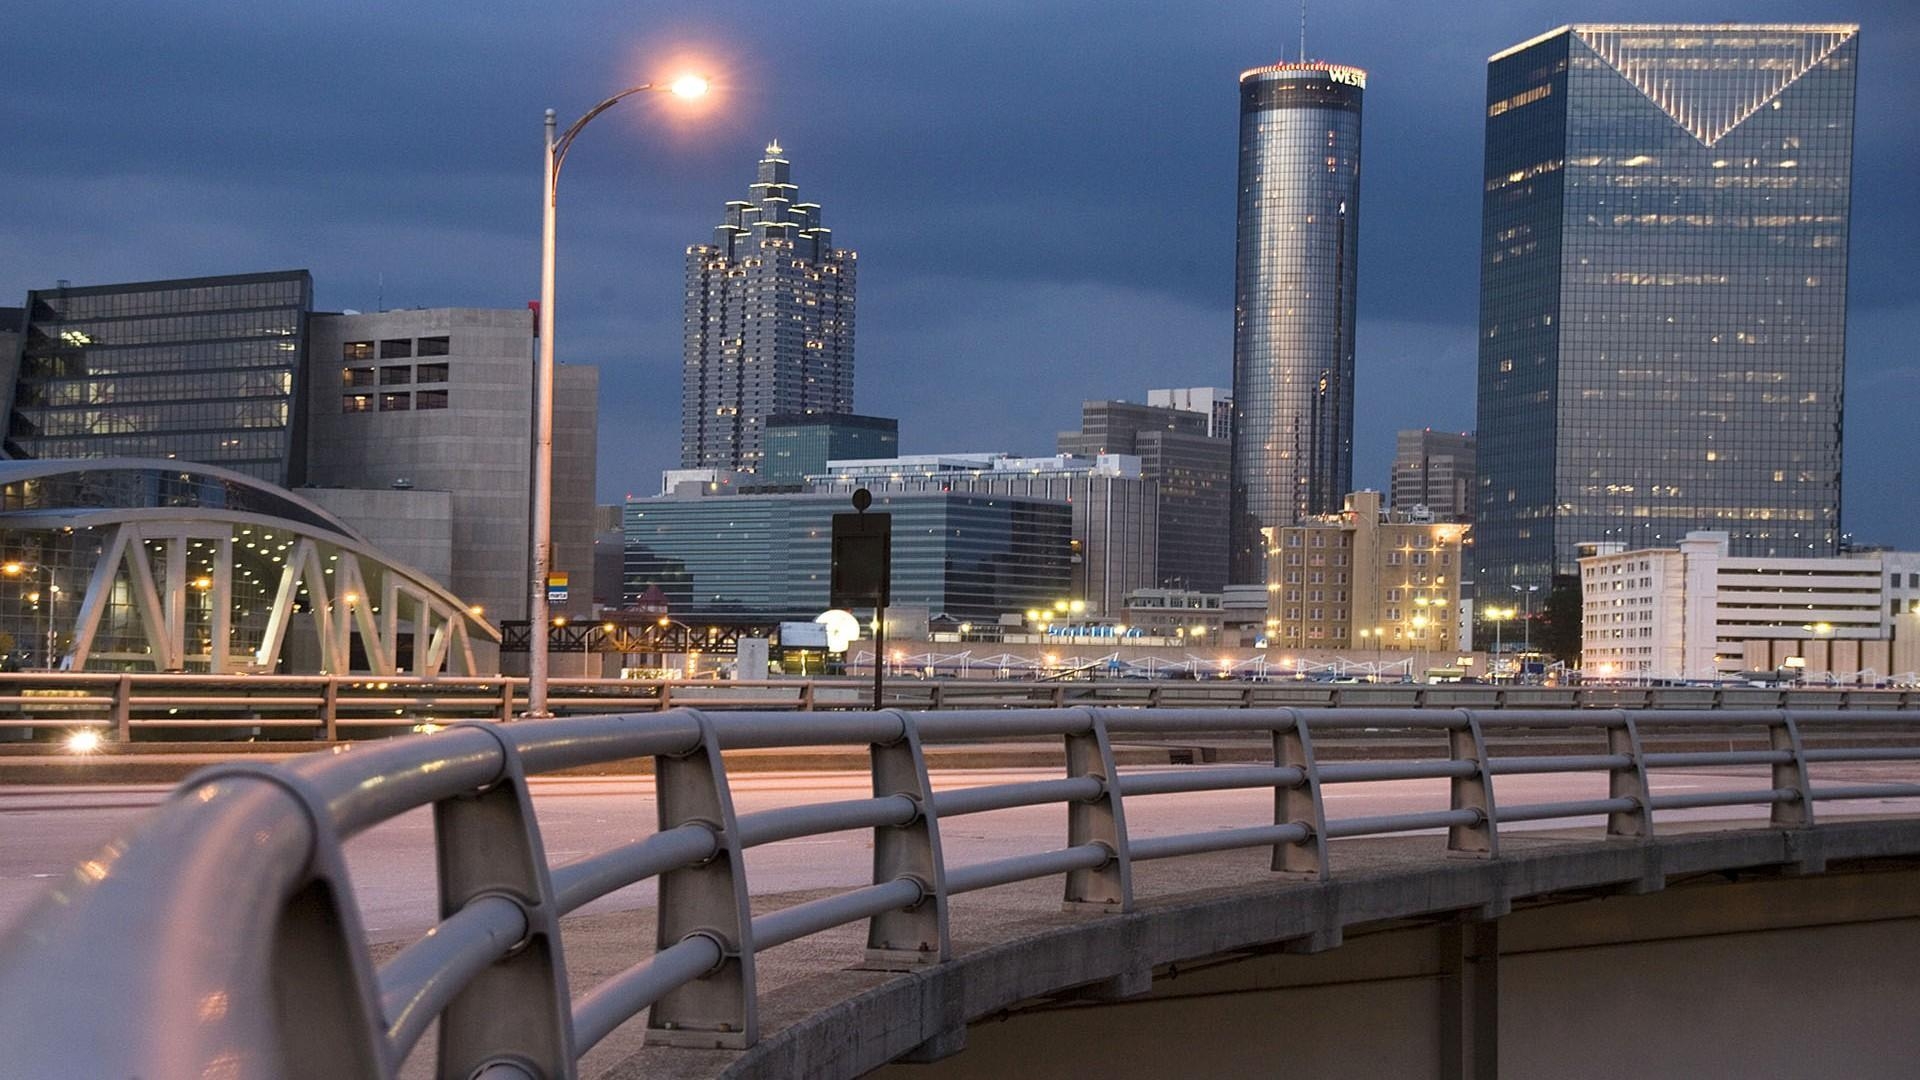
x: 127, y: 705
x: 223, y: 933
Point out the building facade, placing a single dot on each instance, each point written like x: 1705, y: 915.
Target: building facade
x: 1295, y: 271
x: 1435, y: 469
x: 195, y: 369
x: 1213, y: 402
x: 799, y: 445
x: 769, y: 324
x: 1695, y: 612
x: 1365, y: 569
x: 440, y: 400
x: 1115, y: 510
x: 1663, y: 292
x: 1191, y: 470
x: 964, y: 555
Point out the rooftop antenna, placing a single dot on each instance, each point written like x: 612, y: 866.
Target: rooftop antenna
x: 380, y: 292
x: 1303, y: 31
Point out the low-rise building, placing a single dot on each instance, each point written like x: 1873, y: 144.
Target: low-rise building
x: 1365, y: 578
x: 799, y: 445
x: 1694, y: 612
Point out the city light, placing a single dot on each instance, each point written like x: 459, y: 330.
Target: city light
x: 689, y: 86
x: 84, y: 741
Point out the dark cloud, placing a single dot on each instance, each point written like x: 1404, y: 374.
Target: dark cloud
x: 1041, y: 193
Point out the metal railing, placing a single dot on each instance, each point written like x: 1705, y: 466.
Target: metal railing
x: 225, y: 929
x: 130, y: 704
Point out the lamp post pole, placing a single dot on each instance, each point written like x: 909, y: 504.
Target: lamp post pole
x: 538, y: 619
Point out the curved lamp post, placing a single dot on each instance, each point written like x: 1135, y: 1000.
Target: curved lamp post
x: 688, y: 86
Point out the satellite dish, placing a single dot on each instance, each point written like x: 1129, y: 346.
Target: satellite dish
x: 842, y: 628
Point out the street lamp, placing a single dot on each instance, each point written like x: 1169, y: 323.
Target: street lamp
x: 18, y: 569
x: 1526, y: 624
x: 688, y: 87
x: 1498, y: 616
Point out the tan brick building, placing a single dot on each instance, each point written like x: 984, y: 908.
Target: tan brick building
x: 1331, y: 578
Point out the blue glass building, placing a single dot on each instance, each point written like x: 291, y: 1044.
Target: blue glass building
x: 1663, y: 291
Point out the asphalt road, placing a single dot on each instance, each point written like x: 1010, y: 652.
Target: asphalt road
x: 45, y: 831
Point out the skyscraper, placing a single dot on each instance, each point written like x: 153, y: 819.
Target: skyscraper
x: 1190, y: 468
x: 1663, y: 291
x: 769, y: 324
x: 1435, y: 469
x: 1294, y: 276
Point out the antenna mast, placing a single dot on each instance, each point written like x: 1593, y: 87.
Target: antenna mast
x: 1303, y: 31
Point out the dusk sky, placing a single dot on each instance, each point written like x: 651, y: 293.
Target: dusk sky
x: 1041, y: 194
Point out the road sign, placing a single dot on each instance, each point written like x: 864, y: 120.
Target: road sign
x: 556, y: 588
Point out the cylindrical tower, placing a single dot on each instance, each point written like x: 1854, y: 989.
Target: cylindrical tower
x: 1294, y: 276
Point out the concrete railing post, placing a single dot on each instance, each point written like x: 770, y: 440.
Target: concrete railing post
x: 1099, y: 820
x: 915, y: 936
x: 330, y: 708
x: 123, y: 708
x: 719, y: 1009
x: 938, y: 699
x: 1628, y: 781
x: 506, y: 699
x: 806, y: 696
x: 1299, y: 804
x: 666, y: 695
x: 1473, y: 791
x: 517, y: 1011
x: 1784, y: 734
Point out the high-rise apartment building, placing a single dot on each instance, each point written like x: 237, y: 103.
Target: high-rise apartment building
x: 199, y: 369
x: 1216, y: 403
x: 1435, y: 469
x: 769, y: 324
x: 1295, y: 263
x: 1365, y: 570
x: 1190, y: 468
x: 1663, y: 292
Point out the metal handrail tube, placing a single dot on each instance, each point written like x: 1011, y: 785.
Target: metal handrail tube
x: 988, y: 797
x: 1575, y: 808
x: 63, y: 699
x: 1167, y: 847
x: 585, y: 880
x: 1714, y: 717
x: 1556, y: 763
x: 621, y: 997
x: 367, y: 783
x: 1866, y: 791
x: 1764, y: 797
x: 1022, y: 867
x: 592, y: 740
x: 1211, y: 779
x: 800, y: 920
x: 243, y: 721
x: 1403, y: 717
x: 192, y: 898
x: 953, y: 725
x: 761, y: 730
x: 1864, y: 753
x: 1191, y: 719
x: 243, y: 701
x: 417, y: 984
x: 1696, y: 759
x: 1547, y: 718
x: 789, y: 822
x: 1361, y: 771
x: 1392, y: 823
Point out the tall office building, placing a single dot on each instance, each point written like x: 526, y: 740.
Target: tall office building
x: 1435, y: 469
x: 1190, y: 468
x: 1663, y: 292
x: 199, y: 369
x: 769, y: 324
x: 1215, y: 403
x: 1294, y: 275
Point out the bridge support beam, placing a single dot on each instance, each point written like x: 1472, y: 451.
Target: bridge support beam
x: 1470, y: 1000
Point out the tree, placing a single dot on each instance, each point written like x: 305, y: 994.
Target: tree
x: 1557, y: 627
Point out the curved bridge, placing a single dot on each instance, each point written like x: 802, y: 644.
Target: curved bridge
x: 223, y: 934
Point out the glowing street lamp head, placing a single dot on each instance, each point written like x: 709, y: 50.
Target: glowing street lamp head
x: 689, y: 87
x: 11, y: 568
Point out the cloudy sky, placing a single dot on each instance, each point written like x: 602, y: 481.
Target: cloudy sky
x: 1041, y: 193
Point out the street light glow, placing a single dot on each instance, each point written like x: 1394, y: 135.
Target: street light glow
x: 689, y: 87
x: 84, y: 741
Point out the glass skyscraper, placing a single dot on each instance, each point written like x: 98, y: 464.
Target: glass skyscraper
x: 1663, y: 291
x: 200, y: 369
x: 769, y: 324
x: 1294, y: 274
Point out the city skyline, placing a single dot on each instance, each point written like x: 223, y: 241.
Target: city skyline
x: 428, y: 209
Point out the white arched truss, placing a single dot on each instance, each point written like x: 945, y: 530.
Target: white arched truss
x: 338, y: 585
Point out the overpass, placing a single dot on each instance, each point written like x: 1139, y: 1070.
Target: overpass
x: 223, y: 934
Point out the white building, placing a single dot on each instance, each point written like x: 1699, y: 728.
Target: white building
x: 1215, y: 402
x: 1695, y: 612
